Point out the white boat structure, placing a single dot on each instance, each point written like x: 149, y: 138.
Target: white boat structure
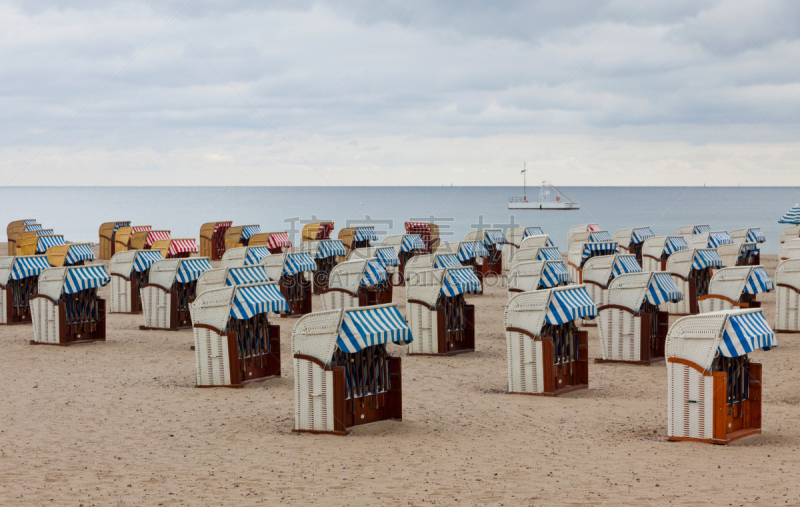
x: 547, y: 201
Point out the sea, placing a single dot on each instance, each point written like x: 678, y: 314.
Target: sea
x: 77, y: 212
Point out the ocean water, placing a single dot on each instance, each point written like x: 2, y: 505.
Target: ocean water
x: 77, y: 212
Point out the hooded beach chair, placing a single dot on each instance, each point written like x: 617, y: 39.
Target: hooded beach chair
x: 493, y: 240
x: 145, y: 239
x: 343, y: 374
x: 31, y: 243
x: 580, y: 233
x: 234, y: 342
x: 595, y: 244
x: 709, y: 239
x: 439, y: 317
x: 539, y: 253
x: 751, y: 235
x: 244, y: 256
x: 428, y: 232
x: 547, y: 352
x: 108, y: 231
x: 734, y: 288
x: 289, y: 269
x: 355, y: 283
x: 656, y: 251
x: 792, y: 232
x: 691, y: 270
x: 212, y: 239
x: 598, y: 272
x: 122, y: 238
x: 631, y: 326
x: 276, y: 242
x: 536, y: 275
x: 787, y: 296
x: 27, y: 243
x: 514, y: 238
x: 168, y: 292
x: 16, y: 227
x: 326, y: 253
x: 405, y: 246
x: 175, y: 248
x: 357, y: 237
x: 789, y: 250
x: 468, y: 253
x: 687, y: 231
x: 67, y: 310
x: 385, y: 255
x: 227, y: 277
x: 739, y: 254
x: 19, y: 281
x: 317, y: 231
x: 632, y: 240
x: 713, y: 389
x: 130, y: 271
x: 241, y: 235
x: 71, y: 254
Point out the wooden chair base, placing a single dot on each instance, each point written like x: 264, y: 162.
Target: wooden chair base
x: 346, y: 431
x: 558, y: 392
x: 34, y: 342
x: 652, y: 360
x: 146, y: 328
x: 736, y: 435
x: 786, y: 331
x: 126, y: 313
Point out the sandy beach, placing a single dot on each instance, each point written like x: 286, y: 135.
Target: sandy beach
x: 121, y: 423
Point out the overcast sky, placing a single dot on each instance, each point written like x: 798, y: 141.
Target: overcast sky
x: 396, y: 92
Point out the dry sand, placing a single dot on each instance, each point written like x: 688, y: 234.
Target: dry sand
x: 121, y: 423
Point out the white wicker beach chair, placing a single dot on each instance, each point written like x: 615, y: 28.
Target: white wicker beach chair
x: 547, y: 353
x: 19, y: 281
x: 514, y: 239
x: 691, y: 270
x: 787, y: 297
x: 172, y: 285
x: 385, y: 255
x: 405, y: 246
x: 739, y: 254
x: 632, y: 329
x: 631, y: 240
x: 355, y: 283
x: 130, y: 271
x: 714, y: 391
x: 527, y: 254
x: 293, y: 269
x: 656, y: 251
x: 580, y: 233
x: 466, y: 253
x: 789, y: 250
x: 687, y: 231
x: 735, y: 287
x: 66, y: 310
x: 493, y: 241
x: 440, y: 319
x: 343, y: 374
x: 709, y: 239
x: 244, y: 256
x: 791, y: 232
x: 226, y: 277
x: 597, y: 243
x: 234, y: 342
x: 536, y: 275
x: 326, y: 253
x: 599, y: 271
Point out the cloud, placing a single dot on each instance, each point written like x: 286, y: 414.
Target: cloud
x: 397, y: 87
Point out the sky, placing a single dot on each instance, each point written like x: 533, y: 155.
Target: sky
x: 396, y: 92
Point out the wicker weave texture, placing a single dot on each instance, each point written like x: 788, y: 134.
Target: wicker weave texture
x: 211, y: 279
x: 44, y: 315
x: 425, y: 285
x: 51, y: 282
x: 315, y: 334
x: 791, y: 232
x: 335, y: 300
x: 234, y: 257
x: 525, y: 276
x: 163, y: 272
x: 213, y: 307
x: 423, y: 324
x: 713, y: 304
x: 3, y: 308
x: 418, y: 263
x: 156, y: 307
x: 730, y: 282
x: 313, y: 396
x: 120, y: 295
x: 690, y: 402
x: 696, y: 338
x: 683, y: 306
x: 211, y: 356
x: 122, y: 263
x: 525, y: 364
x: 787, y: 312
x: 790, y: 250
x: 523, y: 255
x: 620, y: 335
